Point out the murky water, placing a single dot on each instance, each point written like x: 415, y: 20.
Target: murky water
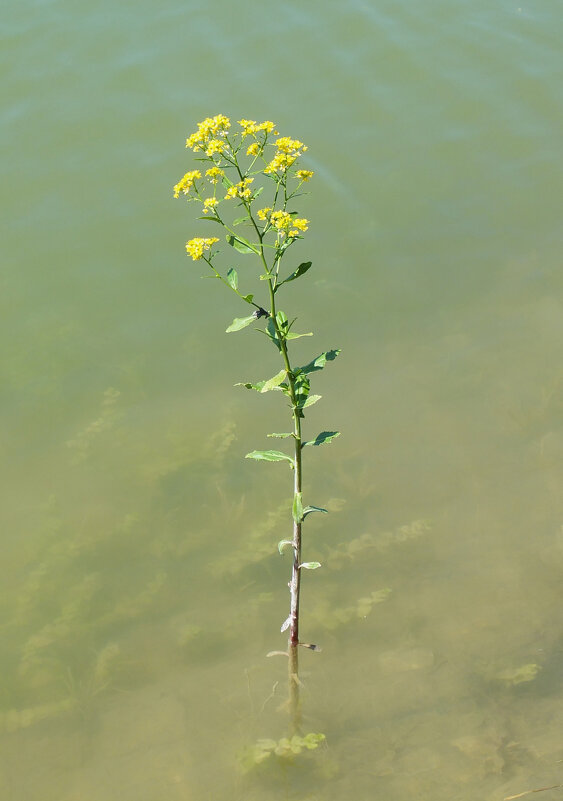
x: 141, y: 584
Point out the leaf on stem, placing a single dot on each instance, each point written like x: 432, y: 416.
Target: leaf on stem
x: 232, y: 278
x: 248, y: 298
x: 274, y: 383
x: 286, y: 624
x: 301, y: 270
x: 210, y: 219
x: 308, y: 510
x: 240, y: 220
x: 258, y: 386
x: 310, y: 565
x: 319, y: 362
x: 280, y: 436
x: 282, y: 544
x: 322, y: 438
x: 311, y: 400
x: 291, y: 335
x: 240, y: 244
x: 269, y: 456
x: 297, y: 509
x: 241, y: 322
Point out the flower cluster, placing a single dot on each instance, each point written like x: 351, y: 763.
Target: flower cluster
x: 252, y: 127
x: 240, y: 190
x: 287, y: 153
x: 210, y: 135
x: 197, y: 247
x: 209, y: 204
x: 214, y: 173
x: 186, y: 183
x: 283, y: 222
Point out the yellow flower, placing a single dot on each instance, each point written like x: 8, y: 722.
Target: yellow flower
x: 197, y: 247
x: 186, y: 183
x: 263, y: 213
x: 253, y: 149
x: 304, y: 175
x: 240, y: 190
x: 281, y: 220
x: 287, y: 145
x: 213, y: 174
x: 248, y: 127
x: 214, y: 146
x: 302, y: 224
x: 288, y: 151
x: 267, y: 126
x: 208, y: 129
x: 209, y: 204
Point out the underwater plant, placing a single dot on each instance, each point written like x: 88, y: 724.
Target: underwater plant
x: 247, y: 184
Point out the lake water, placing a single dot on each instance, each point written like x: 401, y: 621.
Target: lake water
x: 141, y: 584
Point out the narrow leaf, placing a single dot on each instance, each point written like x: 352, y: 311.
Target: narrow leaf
x: 232, y: 278
x: 320, y: 361
x: 240, y: 244
x: 258, y: 386
x: 211, y: 219
x: 274, y: 383
x: 312, y: 399
x: 271, y: 332
x: 269, y: 456
x: 282, y: 544
x: 308, y: 510
x: 297, y: 336
x: 286, y: 624
x: 322, y: 438
x: 310, y: 565
x: 279, y: 436
x: 297, y: 509
x: 301, y: 270
x: 240, y: 220
x: 241, y: 322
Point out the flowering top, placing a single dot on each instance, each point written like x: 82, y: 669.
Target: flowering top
x: 186, y: 183
x: 197, y: 247
x: 208, y: 131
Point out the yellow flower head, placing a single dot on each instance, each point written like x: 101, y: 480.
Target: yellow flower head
x: 298, y: 226
x: 186, y: 183
x: 263, y: 213
x: 304, y: 175
x: 197, y: 247
x: 281, y: 220
x: 210, y: 128
x: 248, y: 127
x: 267, y: 126
x: 209, y: 204
x: 253, y: 149
x: 215, y: 146
x: 288, y: 151
x: 286, y: 224
x: 240, y: 190
x: 213, y: 173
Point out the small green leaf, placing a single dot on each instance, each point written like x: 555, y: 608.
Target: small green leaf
x: 274, y: 383
x: 269, y: 456
x: 258, y: 386
x: 310, y: 565
x: 308, y: 510
x: 322, y: 438
x: 211, y: 219
x: 312, y: 399
x: 297, y: 509
x: 279, y: 436
x: 248, y: 298
x: 266, y: 277
x: 297, y: 336
x: 241, y: 322
x: 240, y: 220
x: 232, y: 278
x: 301, y: 270
x: 282, y: 544
x: 271, y: 333
x: 240, y: 244
x: 320, y: 361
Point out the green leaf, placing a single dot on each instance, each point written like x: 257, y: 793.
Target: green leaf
x: 319, y: 362
x: 232, y: 278
x: 269, y: 456
x: 301, y: 270
x: 258, y: 386
x: 240, y: 220
x: 297, y: 509
x: 248, y: 298
x: 282, y: 544
x: 311, y: 399
x: 280, y: 436
x: 240, y: 244
x: 271, y: 332
x: 211, y: 219
x: 322, y: 438
x: 310, y: 565
x: 274, y: 383
x: 241, y: 322
x: 291, y: 335
x: 308, y: 510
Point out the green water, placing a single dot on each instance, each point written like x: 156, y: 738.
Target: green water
x: 141, y: 584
